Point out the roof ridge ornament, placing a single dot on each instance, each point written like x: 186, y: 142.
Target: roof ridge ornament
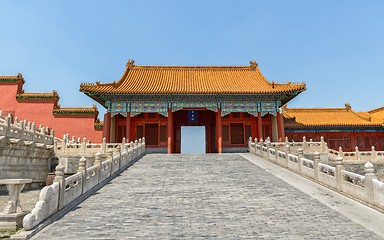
x: 253, y: 64
x: 348, y: 106
x: 130, y: 64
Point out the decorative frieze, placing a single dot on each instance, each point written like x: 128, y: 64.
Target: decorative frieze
x: 176, y: 106
x: 161, y: 107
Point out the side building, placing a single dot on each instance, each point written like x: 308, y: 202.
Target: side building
x: 232, y: 102
x: 341, y: 127
x: 43, y: 108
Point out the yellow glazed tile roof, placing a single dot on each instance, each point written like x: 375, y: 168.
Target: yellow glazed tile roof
x: 192, y: 80
x: 76, y: 110
x: 17, y: 78
x: 37, y: 95
x: 301, y: 117
x: 377, y: 114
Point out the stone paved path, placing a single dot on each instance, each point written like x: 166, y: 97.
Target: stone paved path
x: 201, y: 197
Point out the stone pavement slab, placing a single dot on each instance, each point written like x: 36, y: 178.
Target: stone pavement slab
x: 214, y: 196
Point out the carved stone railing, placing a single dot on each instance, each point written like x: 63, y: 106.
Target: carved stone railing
x: 66, y: 147
x: 309, y: 147
x: 24, y: 147
x: 25, y: 131
x: 366, y: 188
x: 359, y: 156
x: 74, y: 187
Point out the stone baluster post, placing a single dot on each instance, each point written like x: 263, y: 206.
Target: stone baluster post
x: 83, y: 169
x: 357, y: 153
x: 338, y: 163
x: 1, y: 113
x: 104, y: 145
x: 63, y: 146
x: 119, y: 149
x: 59, y: 177
x: 8, y: 122
x: 83, y: 145
x: 42, y: 130
x: 55, y: 147
x: 287, y: 152
x: 261, y: 147
x: 97, y: 163
x: 110, y: 156
x: 368, y: 182
x: 82, y: 164
x: 268, y: 147
x: 16, y: 121
x: 122, y: 144
x: 300, y: 154
x: 135, y: 149
x: 144, y: 151
x: 305, y: 144
x: 250, y: 144
x: 316, y: 160
x: 286, y: 141
x: 33, y: 132
x: 22, y: 130
x: 373, y: 153
x: 124, y: 152
x: 131, y: 152
x: 139, y: 146
x: 341, y: 154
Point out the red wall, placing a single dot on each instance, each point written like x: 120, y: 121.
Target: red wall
x: 40, y: 112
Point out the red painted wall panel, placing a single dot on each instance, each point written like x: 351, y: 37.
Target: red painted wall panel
x: 40, y: 112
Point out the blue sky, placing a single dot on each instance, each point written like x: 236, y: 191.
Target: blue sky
x: 335, y: 47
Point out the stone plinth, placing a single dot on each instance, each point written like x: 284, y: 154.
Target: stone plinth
x: 12, y: 216
x: 11, y: 222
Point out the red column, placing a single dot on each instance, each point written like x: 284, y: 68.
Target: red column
x: 259, y: 126
x: 107, y: 127
x: 170, y: 131
x: 219, y: 131
x: 128, y: 128
x: 280, y: 127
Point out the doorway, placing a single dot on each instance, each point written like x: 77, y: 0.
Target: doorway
x: 203, y: 118
x: 193, y: 140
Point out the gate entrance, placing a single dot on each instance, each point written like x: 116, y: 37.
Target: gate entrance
x: 193, y: 140
x: 202, y: 118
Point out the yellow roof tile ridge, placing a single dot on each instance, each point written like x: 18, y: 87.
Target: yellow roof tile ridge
x: 284, y: 112
x: 379, y: 109
x: 369, y: 119
x: 19, y: 77
x: 293, y: 110
x: 92, y: 108
x: 333, y: 124
x: 53, y: 93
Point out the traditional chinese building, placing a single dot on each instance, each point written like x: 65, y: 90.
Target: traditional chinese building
x: 232, y: 102
x: 341, y: 127
x: 43, y: 108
